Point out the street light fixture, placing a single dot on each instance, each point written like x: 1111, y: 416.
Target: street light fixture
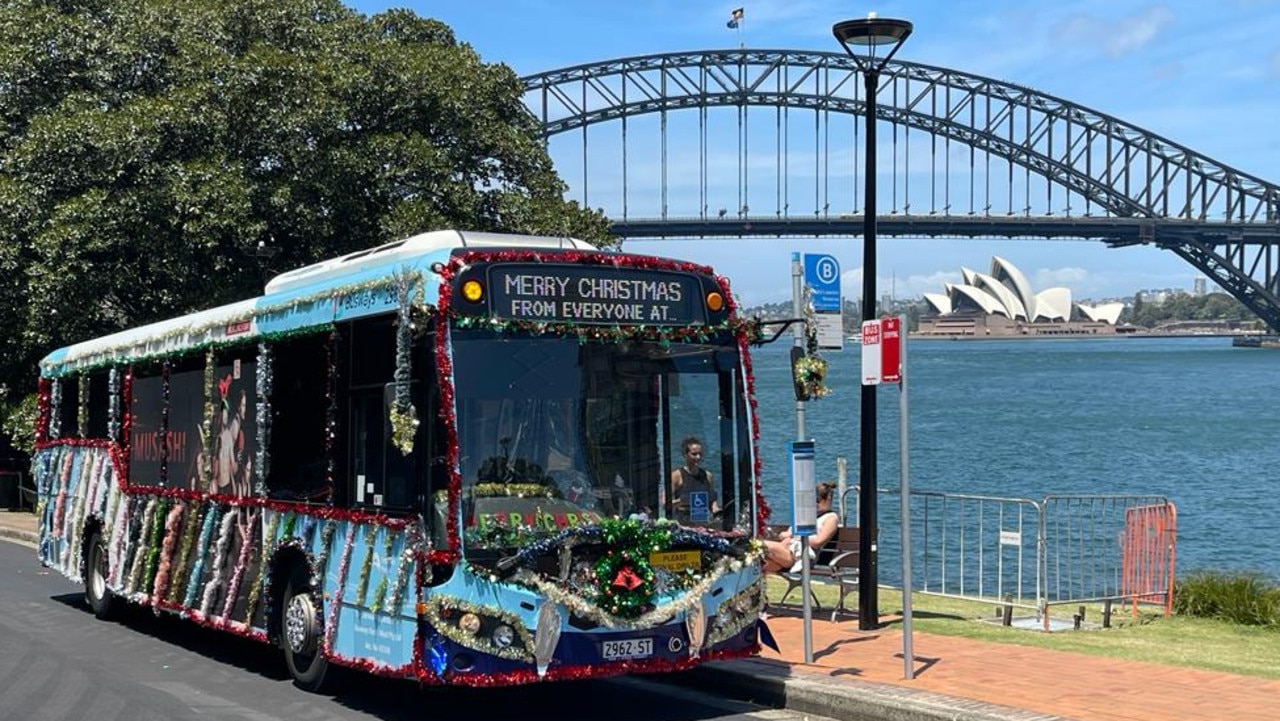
x: 871, y: 34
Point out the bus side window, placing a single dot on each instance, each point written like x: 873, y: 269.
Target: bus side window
x: 380, y: 473
x: 186, y: 408
x: 99, y: 404
x: 299, y: 410
x: 146, y: 411
x: 68, y: 410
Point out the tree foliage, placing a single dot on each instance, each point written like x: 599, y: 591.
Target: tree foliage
x: 154, y: 152
x: 1184, y: 306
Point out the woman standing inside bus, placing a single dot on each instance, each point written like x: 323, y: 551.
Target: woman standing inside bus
x: 693, y: 495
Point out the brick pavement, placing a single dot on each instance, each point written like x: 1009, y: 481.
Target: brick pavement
x: 1054, y: 683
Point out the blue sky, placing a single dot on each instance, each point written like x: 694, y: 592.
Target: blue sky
x: 1206, y: 75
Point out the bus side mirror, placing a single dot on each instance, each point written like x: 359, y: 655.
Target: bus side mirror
x: 802, y: 392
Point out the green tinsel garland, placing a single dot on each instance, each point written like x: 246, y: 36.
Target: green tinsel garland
x: 200, y: 347
x: 326, y: 543
x: 380, y: 593
x: 82, y: 406
x: 120, y: 354
x: 365, y: 568
x: 508, y: 490
x: 153, y: 558
x: 403, y: 416
x: 139, y: 561
x: 630, y: 543
x: 615, y: 333
x: 255, y: 591
x: 193, y: 521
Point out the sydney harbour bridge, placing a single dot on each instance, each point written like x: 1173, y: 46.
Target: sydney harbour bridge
x: 766, y: 143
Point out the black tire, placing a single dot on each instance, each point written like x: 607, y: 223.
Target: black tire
x: 102, y: 601
x: 301, y: 627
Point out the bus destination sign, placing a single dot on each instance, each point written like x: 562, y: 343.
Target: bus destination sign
x: 594, y: 294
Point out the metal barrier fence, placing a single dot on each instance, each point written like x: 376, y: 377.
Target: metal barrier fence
x: 1023, y: 553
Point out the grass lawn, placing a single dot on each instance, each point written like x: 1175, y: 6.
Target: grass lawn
x: 1193, y: 642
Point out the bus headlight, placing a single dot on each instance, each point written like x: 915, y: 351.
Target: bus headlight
x: 503, y: 636
x: 469, y: 624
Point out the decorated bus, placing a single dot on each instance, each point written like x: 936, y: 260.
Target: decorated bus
x: 461, y: 458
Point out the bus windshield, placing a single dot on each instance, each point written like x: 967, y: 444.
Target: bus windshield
x: 555, y: 433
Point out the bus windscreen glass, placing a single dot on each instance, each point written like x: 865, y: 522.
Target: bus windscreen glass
x: 554, y: 433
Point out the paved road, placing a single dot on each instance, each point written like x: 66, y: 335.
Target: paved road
x: 57, y: 662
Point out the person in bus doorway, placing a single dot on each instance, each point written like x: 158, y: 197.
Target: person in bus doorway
x: 784, y: 553
x: 693, y: 495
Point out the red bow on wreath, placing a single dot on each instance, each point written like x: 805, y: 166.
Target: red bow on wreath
x: 627, y: 579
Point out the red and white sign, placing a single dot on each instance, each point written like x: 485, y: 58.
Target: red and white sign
x: 871, y: 353
x: 881, y: 351
x: 890, y: 350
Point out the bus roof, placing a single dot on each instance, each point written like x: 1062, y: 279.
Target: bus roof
x: 299, y: 298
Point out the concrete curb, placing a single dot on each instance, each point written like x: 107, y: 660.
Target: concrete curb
x: 25, y: 538
x: 772, y: 684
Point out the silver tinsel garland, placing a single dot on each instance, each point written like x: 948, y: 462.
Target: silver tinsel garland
x: 264, y: 383
x: 55, y: 409
x: 113, y: 404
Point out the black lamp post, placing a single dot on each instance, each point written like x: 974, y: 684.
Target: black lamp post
x: 872, y: 33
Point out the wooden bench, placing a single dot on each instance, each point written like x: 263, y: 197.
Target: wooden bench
x: 836, y: 564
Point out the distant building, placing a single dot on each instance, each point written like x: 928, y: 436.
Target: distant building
x: 1199, y: 284
x: 1001, y: 303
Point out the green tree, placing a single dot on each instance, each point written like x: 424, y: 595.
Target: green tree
x: 150, y: 150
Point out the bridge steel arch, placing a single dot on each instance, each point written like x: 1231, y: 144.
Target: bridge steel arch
x: 1135, y: 187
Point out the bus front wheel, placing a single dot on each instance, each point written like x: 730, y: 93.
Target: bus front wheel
x: 100, y: 598
x: 301, y: 634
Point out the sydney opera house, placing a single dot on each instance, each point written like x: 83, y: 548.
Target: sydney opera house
x: 1002, y: 303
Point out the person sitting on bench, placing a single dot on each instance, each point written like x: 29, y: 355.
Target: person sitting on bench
x: 784, y: 553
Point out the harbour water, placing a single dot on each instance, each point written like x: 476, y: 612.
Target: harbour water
x: 1191, y: 419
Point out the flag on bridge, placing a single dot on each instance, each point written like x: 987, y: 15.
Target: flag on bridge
x: 735, y: 18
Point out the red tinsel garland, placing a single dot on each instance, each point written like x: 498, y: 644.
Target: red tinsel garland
x: 118, y: 460
x: 763, y: 510
x: 165, y: 394
x: 448, y: 414
x: 573, y: 673
x: 126, y: 425
x: 43, y: 395
x: 577, y: 257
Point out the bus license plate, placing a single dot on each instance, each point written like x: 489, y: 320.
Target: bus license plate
x: 630, y: 648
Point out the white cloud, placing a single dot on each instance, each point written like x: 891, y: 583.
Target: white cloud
x: 1050, y: 277
x: 1117, y: 36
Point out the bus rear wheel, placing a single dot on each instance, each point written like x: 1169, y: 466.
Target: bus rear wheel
x: 102, y: 601
x: 301, y: 634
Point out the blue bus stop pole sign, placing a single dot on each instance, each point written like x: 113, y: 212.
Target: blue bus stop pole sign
x: 804, y: 501
x: 822, y: 275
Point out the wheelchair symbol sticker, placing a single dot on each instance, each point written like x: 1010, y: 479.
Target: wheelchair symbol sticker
x: 699, y: 507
